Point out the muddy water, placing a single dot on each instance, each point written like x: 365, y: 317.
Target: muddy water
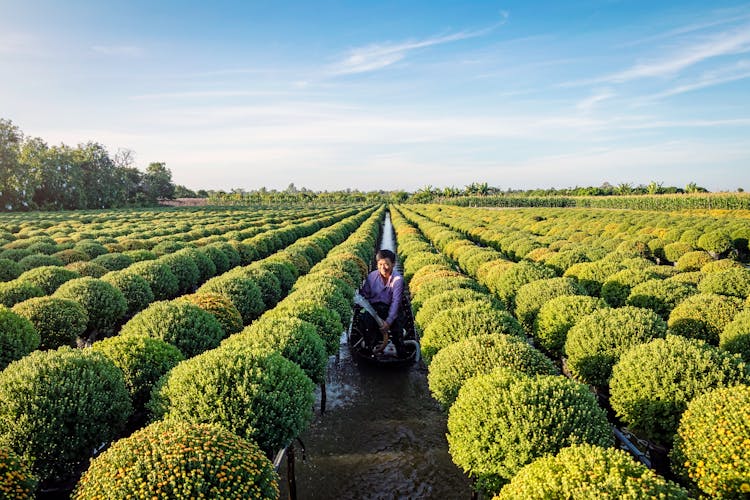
x: 381, y: 437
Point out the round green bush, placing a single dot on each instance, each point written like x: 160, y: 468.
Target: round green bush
x: 617, y: 287
x: 18, y: 337
x: 498, y: 424
x: 56, y: 426
x: 17, y: 482
x: 185, y: 270
x: 712, y: 447
x: 596, y: 342
x: 284, y: 272
x: 325, y: 292
x: 735, y: 337
x: 15, y: 291
x: 9, y: 270
x: 564, y: 259
x: 70, y: 255
x: 589, y: 472
x: 734, y: 282
x: 715, y: 242
x: 87, y: 269
x: 167, y: 247
x: 219, y: 258
x: 221, y: 308
x: 143, y: 361
x: 134, y: 288
x: 513, y: 278
x: 440, y: 285
x: 689, y: 277
x: 113, y: 261
x: 163, y: 282
x: 269, y: 284
x: 480, y: 354
x: 720, y: 265
x: 704, y: 316
x: 652, y: 383
x: 244, y: 293
x: 327, y: 321
x: 431, y: 273
x: 673, y: 251
x: 661, y: 296
x: 448, y: 300
x: 186, y: 326
x: 532, y: 296
x: 257, y: 394
x: 140, y: 255
x: 558, y: 315
x: 58, y: 321
x: 38, y: 260
x: 693, y: 261
x: 90, y: 248
x: 592, y: 275
x: 104, y: 304
x: 459, y: 323
x: 295, y: 339
x: 175, y: 459
x: 206, y: 267
x: 48, y: 278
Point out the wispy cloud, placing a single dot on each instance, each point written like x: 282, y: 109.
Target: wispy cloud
x: 735, y: 72
x: 588, y: 104
x: 732, y: 42
x: 17, y: 44
x: 118, y: 50
x: 201, y: 94
x: 380, y: 55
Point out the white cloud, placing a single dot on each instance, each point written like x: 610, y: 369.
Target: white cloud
x: 735, y: 72
x: 587, y: 105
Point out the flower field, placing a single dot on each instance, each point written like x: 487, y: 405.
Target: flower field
x: 175, y: 351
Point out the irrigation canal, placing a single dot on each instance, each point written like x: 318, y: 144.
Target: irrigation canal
x: 382, y: 436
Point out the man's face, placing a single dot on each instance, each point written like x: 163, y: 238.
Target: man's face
x: 385, y: 267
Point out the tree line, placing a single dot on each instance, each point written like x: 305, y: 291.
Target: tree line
x: 35, y: 175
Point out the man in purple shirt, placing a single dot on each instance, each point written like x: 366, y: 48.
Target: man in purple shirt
x: 383, y: 289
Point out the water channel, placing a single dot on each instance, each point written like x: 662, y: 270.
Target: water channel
x: 382, y: 436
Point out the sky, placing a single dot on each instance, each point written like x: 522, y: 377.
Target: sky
x: 390, y: 94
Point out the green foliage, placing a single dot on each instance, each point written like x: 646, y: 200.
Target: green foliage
x: 558, y: 315
x: 269, y: 284
x: 734, y: 282
x: 589, y: 472
x: 143, y: 361
x: 91, y: 248
x: 720, y: 265
x: 284, y: 272
x: 9, y: 270
x: 206, y: 267
x: 15, y: 291
x: 85, y: 268
x: 185, y: 270
x: 139, y: 255
x: 448, y: 300
x: 175, y: 459
x: 711, y: 446
x: 439, y: 285
x: 498, y: 424
x: 459, y: 323
x: 735, y: 337
x: 661, y: 296
x: 113, y: 261
x: 167, y: 247
x: 48, y: 278
x: 652, y: 383
x: 715, y: 242
x: 38, y: 260
x: 104, y: 304
x: 186, y: 326
x: 17, y: 482
x: 616, y: 288
x: 218, y: 257
x: 327, y: 322
x: 56, y: 426
x: 563, y: 260
x: 513, y: 278
x: 164, y: 284
x: 257, y: 394
x: 480, y: 354
x: 134, y: 288
x: 532, y: 296
x: 328, y: 292
x: 58, y: 321
x: 693, y: 261
x: 243, y: 292
x: 704, y: 316
x: 673, y: 251
x: 295, y: 339
x: 18, y: 337
x: 220, y: 307
x: 592, y: 275
x: 598, y: 340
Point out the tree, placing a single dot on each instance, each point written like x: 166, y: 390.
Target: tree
x: 13, y: 194
x: 157, y: 182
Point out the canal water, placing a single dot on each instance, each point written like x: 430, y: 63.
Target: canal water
x: 382, y: 436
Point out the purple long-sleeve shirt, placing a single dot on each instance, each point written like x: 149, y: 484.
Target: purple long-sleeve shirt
x: 374, y: 290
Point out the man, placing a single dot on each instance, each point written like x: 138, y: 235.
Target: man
x: 383, y: 289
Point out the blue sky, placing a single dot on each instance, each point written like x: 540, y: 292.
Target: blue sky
x: 371, y: 95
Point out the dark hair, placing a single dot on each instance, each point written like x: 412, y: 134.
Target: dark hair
x: 385, y: 254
